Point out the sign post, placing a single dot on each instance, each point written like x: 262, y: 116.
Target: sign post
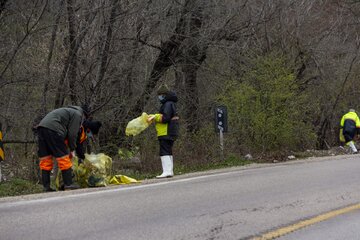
x: 221, y: 126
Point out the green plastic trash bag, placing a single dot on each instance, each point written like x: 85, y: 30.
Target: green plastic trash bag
x: 95, y: 171
x: 137, y: 125
x: 122, y: 179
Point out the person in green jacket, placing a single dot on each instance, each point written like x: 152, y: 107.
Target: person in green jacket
x: 57, y: 126
x: 166, y: 124
x: 349, y: 127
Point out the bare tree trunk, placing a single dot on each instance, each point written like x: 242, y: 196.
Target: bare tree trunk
x: 193, y: 57
x: 192, y: 95
x: 28, y: 32
x: 168, y: 54
x: 71, y: 60
x: 72, y: 41
x: 125, y: 88
x: 2, y: 8
x: 104, y: 52
x: 48, y: 63
x: 69, y: 66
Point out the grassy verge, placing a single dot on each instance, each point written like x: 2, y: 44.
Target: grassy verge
x: 231, y: 161
x: 16, y: 187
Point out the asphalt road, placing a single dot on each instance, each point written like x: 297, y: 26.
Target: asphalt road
x: 237, y: 203
x: 346, y: 226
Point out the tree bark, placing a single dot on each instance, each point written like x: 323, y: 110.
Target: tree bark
x: 2, y: 8
x: 104, y: 52
x: 28, y: 32
x: 167, y: 57
x: 72, y: 41
x: 194, y: 54
x: 48, y: 63
x: 71, y: 60
x: 70, y: 64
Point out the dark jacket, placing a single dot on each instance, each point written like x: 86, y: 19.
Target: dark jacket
x: 80, y: 141
x: 167, y: 125
x: 66, y: 122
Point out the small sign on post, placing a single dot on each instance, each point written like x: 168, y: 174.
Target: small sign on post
x: 221, y: 126
x: 221, y: 119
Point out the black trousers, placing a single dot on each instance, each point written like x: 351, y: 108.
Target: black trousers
x: 166, y: 147
x: 51, y: 143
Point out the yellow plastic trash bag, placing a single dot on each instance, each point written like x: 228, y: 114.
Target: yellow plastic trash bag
x: 341, y: 136
x: 95, y: 171
x: 137, y: 125
x: 122, y: 179
x: 58, y: 179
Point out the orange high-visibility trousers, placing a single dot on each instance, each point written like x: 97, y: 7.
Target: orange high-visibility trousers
x: 46, y: 163
x: 64, y: 163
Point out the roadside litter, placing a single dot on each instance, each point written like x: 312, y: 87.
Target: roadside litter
x: 137, y: 125
x: 95, y: 171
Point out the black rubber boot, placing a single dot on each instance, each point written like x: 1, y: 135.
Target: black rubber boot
x: 67, y: 178
x: 45, y: 175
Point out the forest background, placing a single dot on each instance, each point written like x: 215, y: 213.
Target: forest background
x: 286, y: 70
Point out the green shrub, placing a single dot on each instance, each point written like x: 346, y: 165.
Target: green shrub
x: 266, y: 112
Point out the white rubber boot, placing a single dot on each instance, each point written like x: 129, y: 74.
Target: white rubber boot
x: 353, y: 148
x: 167, y: 166
x: 172, y: 165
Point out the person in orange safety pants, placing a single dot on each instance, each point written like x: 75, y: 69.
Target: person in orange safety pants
x: 53, y: 129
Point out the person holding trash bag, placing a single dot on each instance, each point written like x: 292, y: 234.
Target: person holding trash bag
x: 166, y: 124
x: 349, y: 127
x: 53, y: 129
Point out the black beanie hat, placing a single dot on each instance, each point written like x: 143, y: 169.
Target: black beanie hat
x: 94, y: 126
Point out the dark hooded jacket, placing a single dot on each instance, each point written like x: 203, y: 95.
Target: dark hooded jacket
x: 66, y: 122
x: 167, y: 125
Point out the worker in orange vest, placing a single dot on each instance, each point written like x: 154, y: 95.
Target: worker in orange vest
x: 87, y: 131
x: 53, y: 129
